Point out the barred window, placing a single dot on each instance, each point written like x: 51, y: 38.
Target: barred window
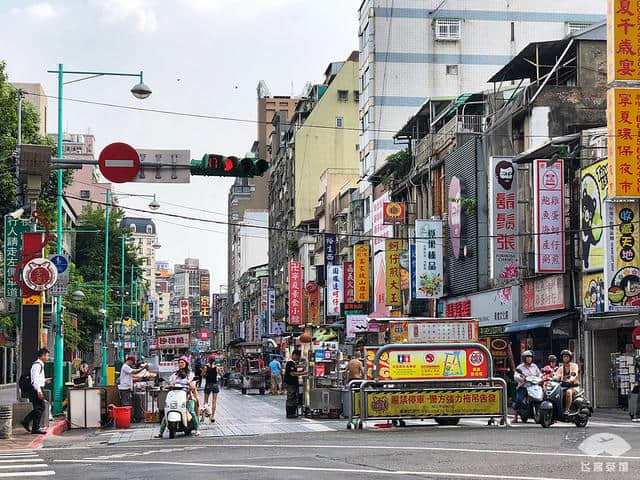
x: 448, y: 29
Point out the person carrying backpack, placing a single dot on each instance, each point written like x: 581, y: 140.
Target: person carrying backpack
x: 36, y: 380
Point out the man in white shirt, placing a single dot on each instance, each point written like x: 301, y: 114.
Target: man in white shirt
x: 126, y: 380
x: 32, y: 421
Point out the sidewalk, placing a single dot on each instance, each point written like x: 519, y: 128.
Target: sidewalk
x: 7, y: 393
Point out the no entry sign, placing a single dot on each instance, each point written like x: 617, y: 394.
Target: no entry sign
x: 119, y: 162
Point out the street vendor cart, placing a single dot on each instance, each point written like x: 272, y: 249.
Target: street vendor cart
x: 249, y: 366
x: 324, y: 383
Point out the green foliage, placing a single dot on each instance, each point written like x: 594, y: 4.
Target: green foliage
x: 398, y: 165
x: 87, y: 312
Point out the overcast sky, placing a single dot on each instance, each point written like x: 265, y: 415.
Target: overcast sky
x: 198, y: 56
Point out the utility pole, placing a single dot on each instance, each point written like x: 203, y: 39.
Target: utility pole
x: 122, y: 304
x: 104, y: 292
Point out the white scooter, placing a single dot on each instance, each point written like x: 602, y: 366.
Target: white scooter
x: 178, y: 417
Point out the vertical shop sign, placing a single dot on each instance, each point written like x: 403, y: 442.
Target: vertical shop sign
x: 361, y: 272
x: 503, y: 209
x: 623, y: 40
x: 593, y: 194
x: 334, y: 291
x: 329, y: 249
x: 295, y: 293
x: 622, y: 272
x: 393, y: 249
x: 413, y: 289
x: 13, y: 230
x: 623, y: 111
x: 349, y: 282
x: 185, y: 317
x: 428, y: 270
x: 264, y: 295
x: 394, y: 213
x: 380, y: 231
x: 548, y: 181
x: 314, y: 303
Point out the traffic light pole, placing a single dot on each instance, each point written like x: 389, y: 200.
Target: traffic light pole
x: 122, y: 304
x: 103, y: 380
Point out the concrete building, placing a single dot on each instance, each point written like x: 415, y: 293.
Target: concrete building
x: 301, y: 150
x: 163, y: 291
x: 145, y: 237
x: 36, y: 96
x: 411, y: 51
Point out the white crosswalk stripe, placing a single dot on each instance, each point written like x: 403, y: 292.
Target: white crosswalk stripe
x: 25, y: 464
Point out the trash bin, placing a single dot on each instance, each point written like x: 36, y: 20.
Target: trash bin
x: 6, y: 423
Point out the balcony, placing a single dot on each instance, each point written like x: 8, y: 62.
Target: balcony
x: 433, y: 144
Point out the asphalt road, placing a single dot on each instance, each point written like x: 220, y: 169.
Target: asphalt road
x: 468, y: 451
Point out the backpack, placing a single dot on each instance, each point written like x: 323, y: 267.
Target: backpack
x: 24, y: 382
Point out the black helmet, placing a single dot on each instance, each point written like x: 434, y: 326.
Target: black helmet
x: 566, y: 352
x: 552, y: 358
x: 526, y: 353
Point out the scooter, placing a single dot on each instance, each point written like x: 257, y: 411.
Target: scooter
x: 178, y: 417
x: 531, y: 406
x: 552, y: 408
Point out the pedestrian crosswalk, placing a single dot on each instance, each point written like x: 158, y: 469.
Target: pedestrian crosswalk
x: 23, y: 463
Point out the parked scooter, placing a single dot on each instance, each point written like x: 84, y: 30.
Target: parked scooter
x: 531, y: 406
x: 552, y: 408
x: 178, y: 417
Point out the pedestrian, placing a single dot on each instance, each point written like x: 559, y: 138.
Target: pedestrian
x: 125, y: 386
x: 355, y: 369
x: 32, y: 421
x: 276, y: 376
x: 291, y: 375
x: 211, y: 374
x: 198, y: 371
x: 184, y: 378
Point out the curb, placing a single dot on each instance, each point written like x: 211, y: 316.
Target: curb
x: 58, y: 428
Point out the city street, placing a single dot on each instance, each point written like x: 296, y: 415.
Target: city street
x: 251, y: 439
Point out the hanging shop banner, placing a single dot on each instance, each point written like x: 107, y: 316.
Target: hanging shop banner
x: 271, y: 308
x: 354, y: 309
x: 622, y: 263
x: 593, y: 293
x: 503, y: 209
x: 491, y: 307
x: 434, y: 363
x: 393, y: 249
x: 204, y: 306
x: 361, y: 272
x: 13, y: 230
x: 593, y: 193
x: 543, y: 294
x: 380, y: 230
x: 329, y: 249
x: 313, y: 292
x: 623, y: 40
x: 434, y: 403
x: 245, y: 310
x: 185, y: 317
x: 548, y: 181
x: 264, y: 295
x: 356, y: 324
x: 295, y: 293
x: 432, y: 331
x: 334, y: 290
x: 349, y: 282
x: 394, y: 213
x: 623, y: 110
x: 428, y: 272
x: 173, y: 340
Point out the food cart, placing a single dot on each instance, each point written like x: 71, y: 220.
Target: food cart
x: 248, y: 367
x: 324, y: 382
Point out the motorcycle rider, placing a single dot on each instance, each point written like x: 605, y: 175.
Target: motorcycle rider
x: 569, y: 375
x: 526, y: 369
x: 184, y: 378
x: 550, y: 369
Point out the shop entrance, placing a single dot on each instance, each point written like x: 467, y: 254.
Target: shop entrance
x: 604, y: 344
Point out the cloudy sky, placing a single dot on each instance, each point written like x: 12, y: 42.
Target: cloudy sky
x: 198, y: 56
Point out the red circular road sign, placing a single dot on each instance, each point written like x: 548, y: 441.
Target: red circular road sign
x: 119, y: 162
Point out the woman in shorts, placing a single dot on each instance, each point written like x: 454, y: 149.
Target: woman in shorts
x: 211, y: 375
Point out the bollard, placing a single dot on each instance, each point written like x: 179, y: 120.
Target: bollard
x: 6, y: 423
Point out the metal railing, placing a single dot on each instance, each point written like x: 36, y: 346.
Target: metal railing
x: 434, y: 143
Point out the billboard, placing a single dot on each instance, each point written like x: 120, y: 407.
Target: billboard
x: 503, y: 210
x: 334, y: 290
x: 548, y: 184
x: 428, y: 272
x: 392, y: 250
x: 623, y: 40
x: 361, y: 272
x: 349, y: 282
x: 623, y: 109
x: 593, y: 194
x: 380, y: 231
x: 185, y: 317
x: 295, y: 293
x: 394, y: 213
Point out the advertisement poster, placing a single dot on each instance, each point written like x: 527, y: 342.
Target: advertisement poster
x: 435, y: 403
x: 498, y: 346
x: 623, y: 108
x: 295, y: 293
x: 349, y: 282
x: 454, y: 217
x: 431, y: 331
x: 380, y: 230
x: 622, y: 264
x: 356, y: 324
x: 548, y: 182
x: 503, y: 209
x: 543, y: 293
x: 593, y: 293
x: 623, y: 40
x: 334, y: 290
x: 361, y: 272
x: 394, y: 213
x: 491, y: 307
x: 429, y: 276
x: 185, y: 317
x: 393, y: 250
x: 594, y: 186
x: 13, y: 253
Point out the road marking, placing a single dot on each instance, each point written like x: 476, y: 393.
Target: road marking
x: 43, y: 473
x: 38, y: 465
x: 320, y: 469
x: 16, y: 460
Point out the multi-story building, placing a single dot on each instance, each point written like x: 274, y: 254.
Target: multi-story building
x: 193, y: 283
x: 36, y: 96
x: 163, y: 291
x: 145, y: 238
x: 322, y: 134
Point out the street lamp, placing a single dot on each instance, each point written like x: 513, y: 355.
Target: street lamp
x: 139, y: 91
x: 154, y: 205
x: 78, y: 295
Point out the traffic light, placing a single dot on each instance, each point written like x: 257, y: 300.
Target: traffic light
x: 213, y: 165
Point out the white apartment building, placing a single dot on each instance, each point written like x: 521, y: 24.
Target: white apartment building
x: 411, y: 50
x: 250, y: 246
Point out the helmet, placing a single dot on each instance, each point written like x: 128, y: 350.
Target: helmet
x: 212, y: 358
x: 184, y: 359
x: 552, y: 358
x: 566, y: 352
x: 547, y: 370
x: 526, y: 353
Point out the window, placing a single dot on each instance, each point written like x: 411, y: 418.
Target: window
x: 133, y: 227
x: 149, y: 229
x: 448, y: 29
x: 339, y: 122
x: 85, y: 194
x: 575, y: 27
x: 452, y: 69
x: 343, y: 96
x: 356, y: 96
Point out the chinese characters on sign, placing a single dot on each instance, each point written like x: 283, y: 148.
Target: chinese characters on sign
x: 543, y: 294
x: 329, y: 249
x: 173, y: 340
x: 295, y: 293
x: 264, y: 294
x: 428, y: 272
x: 349, y: 282
x: 623, y: 40
x: 394, y: 213
x: 361, y: 272
x: 503, y: 209
x: 460, y: 309
x: 204, y: 306
x: 314, y: 303
x: 549, y: 215
x: 393, y: 249
x: 13, y: 230
x: 594, y: 188
x: 334, y: 291
x: 623, y: 111
x: 185, y: 317
x: 380, y: 230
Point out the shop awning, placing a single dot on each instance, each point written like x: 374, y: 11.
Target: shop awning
x: 537, y: 321
x: 610, y: 322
